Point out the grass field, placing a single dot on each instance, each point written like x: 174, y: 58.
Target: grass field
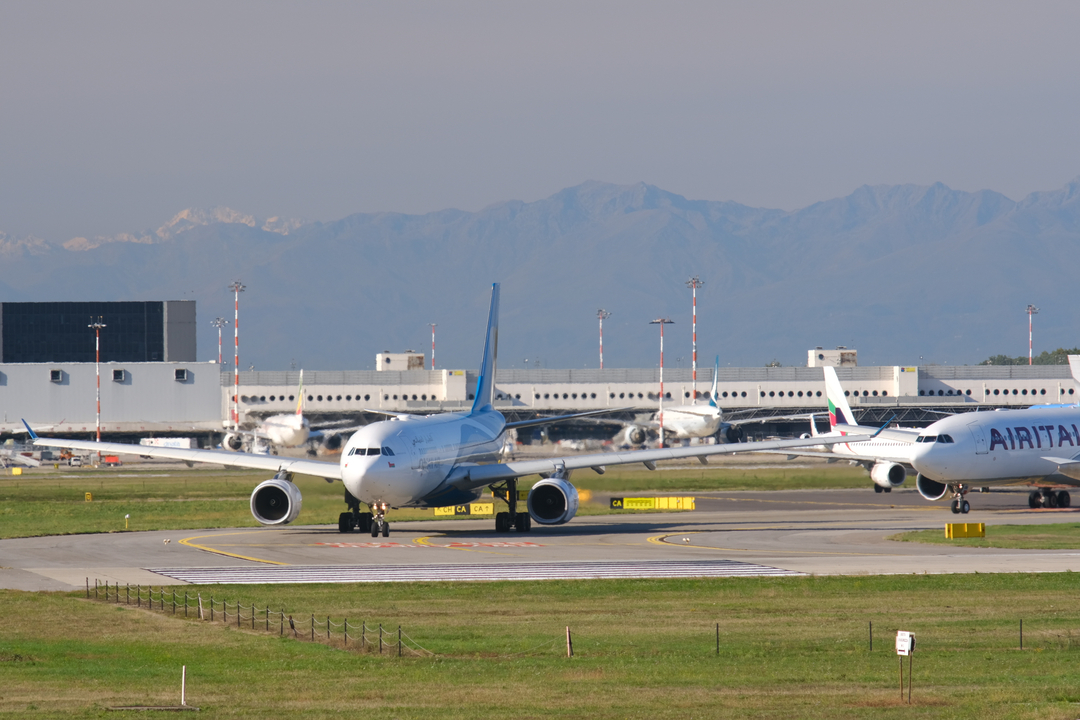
x: 790, y: 647
x: 1059, y: 536
x: 52, y: 502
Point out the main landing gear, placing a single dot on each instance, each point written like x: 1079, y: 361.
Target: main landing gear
x: 504, y: 521
x: 359, y: 521
x: 879, y: 489
x: 1047, y: 498
x: 959, y: 504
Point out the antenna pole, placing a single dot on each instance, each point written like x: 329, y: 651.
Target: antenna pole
x: 1031, y: 310
x: 694, y: 283
x: 662, y: 322
x: 601, y: 313
x: 97, y: 325
x: 432, y: 344
x: 237, y: 287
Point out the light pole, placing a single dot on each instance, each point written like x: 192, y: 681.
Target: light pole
x: 601, y: 313
x: 432, y: 344
x: 97, y: 325
x: 1031, y: 310
x: 219, y: 323
x: 694, y: 283
x: 237, y: 287
x: 662, y: 322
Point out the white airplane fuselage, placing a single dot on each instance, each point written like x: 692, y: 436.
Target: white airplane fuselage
x: 1000, y: 447
x: 425, y: 450
x: 691, y: 421
x: 286, y: 430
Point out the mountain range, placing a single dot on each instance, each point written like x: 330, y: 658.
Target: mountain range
x: 906, y: 274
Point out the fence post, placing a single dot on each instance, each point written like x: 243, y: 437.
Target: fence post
x: 95, y: 588
x: 267, y: 618
x: 717, y: 639
x: 569, y: 643
x: 252, y: 616
x: 201, y: 615
x: 237, y: 613
x: 380, y: 638
x: 87, y: 587
x: 363, y: 635
x: 399, y: 641
x: 211, y: 608
x: 871, y: 636
x: 292, y: 626
x: 327, y: 628
x: 106, y: 591
x: 312, y: 627
x: 345, y: 627
x: 1021, y: 633
x: 138, y: 595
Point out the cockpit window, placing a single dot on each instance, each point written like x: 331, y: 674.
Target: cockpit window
x: 365, y: 451
x: 945, y: 438
x: 926, y: 438
x: 387, y: 451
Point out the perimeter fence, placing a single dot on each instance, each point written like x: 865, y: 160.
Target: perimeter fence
x: 374, y: 639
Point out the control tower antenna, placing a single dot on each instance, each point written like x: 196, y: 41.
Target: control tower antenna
x: 601, y: 313
x: 694, y: 283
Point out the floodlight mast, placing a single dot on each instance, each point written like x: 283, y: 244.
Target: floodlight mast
x: 237, y: 287
x: 1031, y: 310
x: 662, y: 322
x: 97, y: 325
x: 433, y: 326
x: 219, y: 323
x: 602, y: 314
x: 694, y: 283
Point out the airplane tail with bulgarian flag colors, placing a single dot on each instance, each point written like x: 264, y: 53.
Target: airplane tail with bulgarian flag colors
x: 839, y: 410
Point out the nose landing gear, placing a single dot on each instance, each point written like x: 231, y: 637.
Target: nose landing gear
x: 378, y: 521
x: 959, y: 504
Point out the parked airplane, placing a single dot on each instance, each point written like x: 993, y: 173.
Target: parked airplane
x: 683, y: 422
x: 1039, y: 446
x: 434, y: 461
x: 887, y: 457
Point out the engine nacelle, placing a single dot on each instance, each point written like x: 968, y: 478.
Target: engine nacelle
x: 275, y: 502
x: 732, y: 434
x: 930, y: 489
x: 332, y: 442
x: 553, y: 501
x: 233, y: 442
x: 636, y: 435
x: 888, y: 475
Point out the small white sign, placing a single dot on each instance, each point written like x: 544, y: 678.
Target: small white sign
x: 905, y: 643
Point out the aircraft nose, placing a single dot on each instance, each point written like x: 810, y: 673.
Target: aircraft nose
x: 927, y: 459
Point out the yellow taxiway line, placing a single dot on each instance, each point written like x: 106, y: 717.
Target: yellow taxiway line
x: 215, y: 551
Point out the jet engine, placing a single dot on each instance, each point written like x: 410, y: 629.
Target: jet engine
x: 930, y: 489
x: 553, y: 501
x: 233, y: 442
x: 888, y: 475
x: 731, y: 434
x: 332, y: 443
x: 275, y: 502
x: 636, y: 435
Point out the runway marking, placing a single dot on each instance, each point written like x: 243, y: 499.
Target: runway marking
x: 369, y: 545
x: 215, y: 551
x: 505, y: 544
x: 457, y: 572
x: 917, y: 508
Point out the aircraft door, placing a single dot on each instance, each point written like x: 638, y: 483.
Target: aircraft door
x: 979, y: 436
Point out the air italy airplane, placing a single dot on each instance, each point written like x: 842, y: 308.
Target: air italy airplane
x: 434, y: 461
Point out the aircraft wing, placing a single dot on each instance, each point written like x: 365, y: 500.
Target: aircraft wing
x: 467, y: 477
x: 559, y: 418
x: 273, y: 463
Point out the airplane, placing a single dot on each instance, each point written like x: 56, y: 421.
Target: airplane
x: 285, y: 430
x: 683, y: 422
x: 1039, y: 445
x: 434, y: 461
x: 887, y: 457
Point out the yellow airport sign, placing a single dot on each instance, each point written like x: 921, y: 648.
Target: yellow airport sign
x: 470, y: 509
x: 964, y: 530
x: 653, y: 503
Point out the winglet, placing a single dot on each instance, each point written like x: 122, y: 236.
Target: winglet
x: 715, y: 381
x: 33, y: 435
x: 485, y: 384
x: 880, y: 429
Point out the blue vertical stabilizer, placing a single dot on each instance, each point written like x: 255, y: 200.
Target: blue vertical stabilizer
x: 485, y: 385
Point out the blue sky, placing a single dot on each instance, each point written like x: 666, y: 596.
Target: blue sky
x: 116, y: 115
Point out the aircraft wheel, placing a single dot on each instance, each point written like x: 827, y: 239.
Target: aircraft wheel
x: 386, y: 529
x: 524, y: 522
x: 344, y: 522
x: 1063, y: 499
x: 374, y: 529
x: 878, y: 488
x: 365, y: 522
x: 1051, y: 499
x: 1035, y: 500
x: 888, y: 489
x: 502, y: 522
x: 965, y: 506
x: 956, y: 507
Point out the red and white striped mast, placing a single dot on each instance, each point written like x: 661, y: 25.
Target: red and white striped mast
x: 432, y: 344
x: 694, y: 283
x: 219, y: 323
x: 662, y: 322
x: 1031, y: 310
x: 97, y: 325
x: 237, y: 287
x: 602, y: 313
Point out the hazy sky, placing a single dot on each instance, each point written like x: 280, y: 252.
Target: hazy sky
x: 116, y: 115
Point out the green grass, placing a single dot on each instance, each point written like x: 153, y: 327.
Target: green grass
x: 52, y: 502
x: 1062, y: 536
x: 790, y: 647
